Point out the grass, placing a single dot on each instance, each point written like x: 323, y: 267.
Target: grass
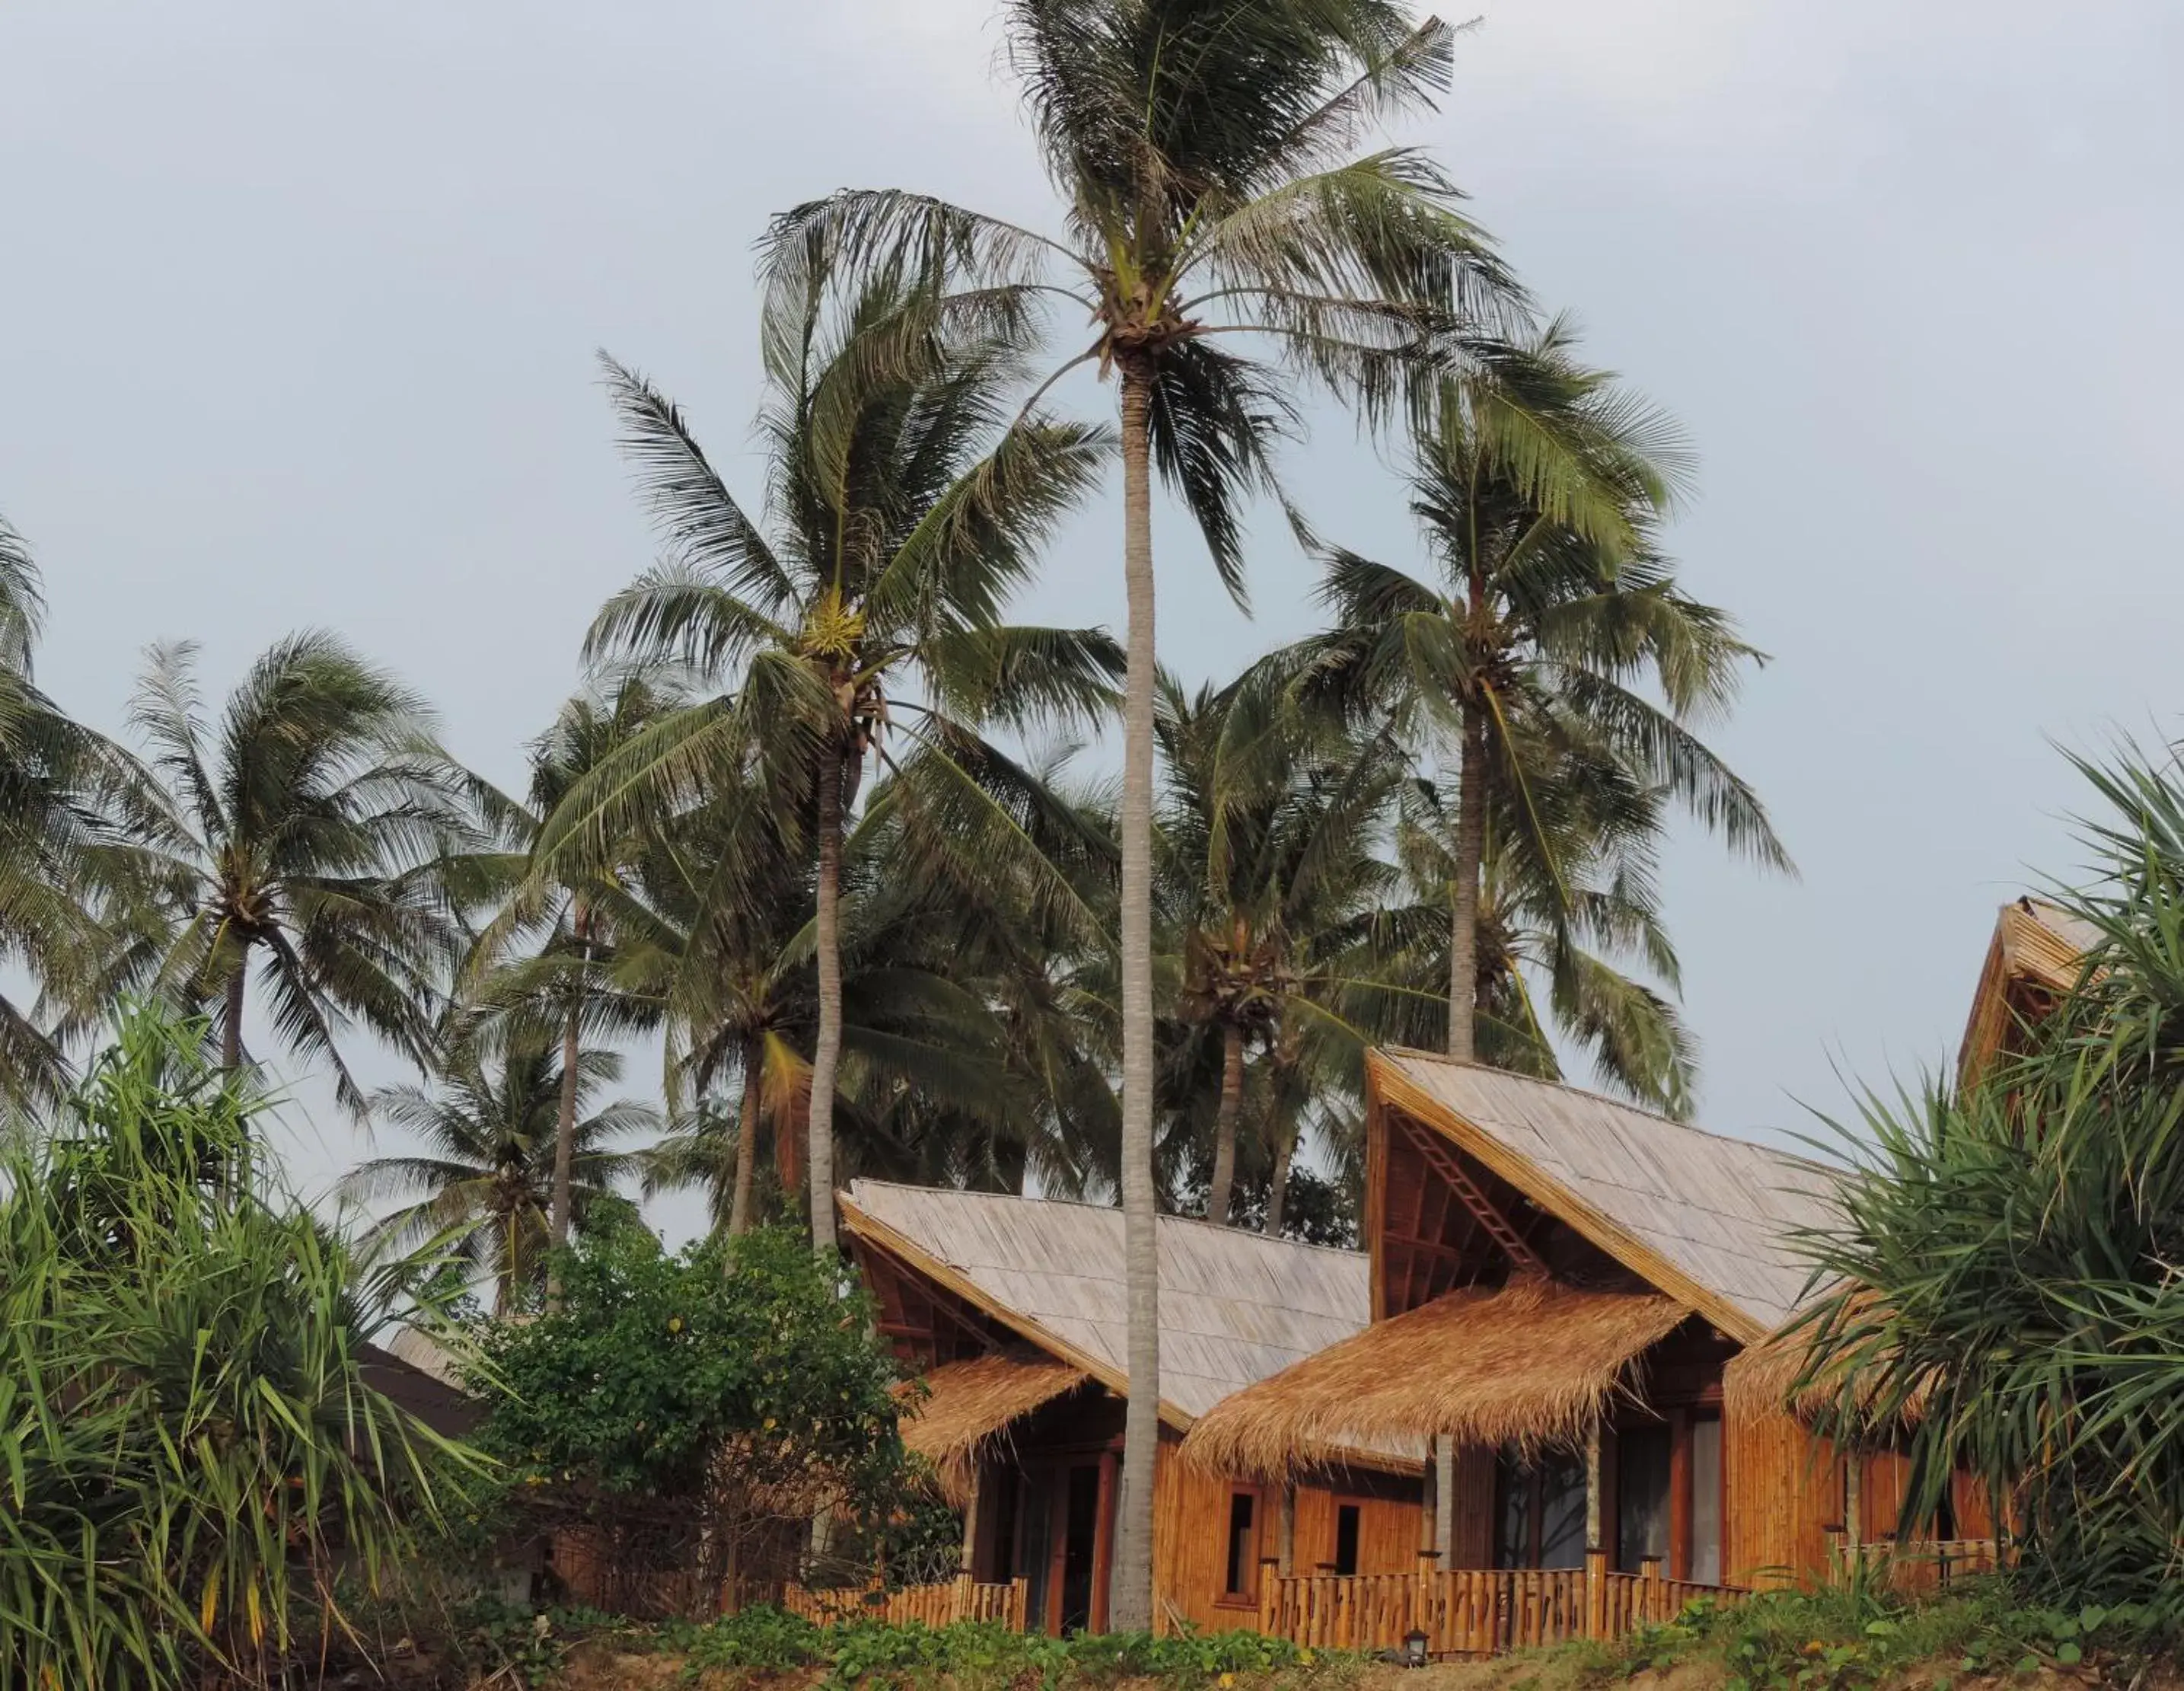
x: 1832, y: 1640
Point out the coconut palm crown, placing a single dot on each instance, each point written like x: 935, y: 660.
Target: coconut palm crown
x: 904, y: 510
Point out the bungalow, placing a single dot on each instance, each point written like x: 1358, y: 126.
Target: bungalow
x: 1558, y: 1283
x: 1012, y: 1313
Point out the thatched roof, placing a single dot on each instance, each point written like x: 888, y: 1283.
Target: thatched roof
x: 1763, y: 1378
x: 965, y: 1407
x: 1707, y: 1220
x: 1234, y: 1307
x: 2037, y: 946
x: 1529, y: 1364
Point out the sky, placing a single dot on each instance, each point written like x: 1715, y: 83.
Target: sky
x: 299, y: 306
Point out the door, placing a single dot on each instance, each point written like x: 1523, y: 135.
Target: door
x: 1076, y: 1547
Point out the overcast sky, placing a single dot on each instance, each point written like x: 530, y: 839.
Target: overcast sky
x: 299, y: 304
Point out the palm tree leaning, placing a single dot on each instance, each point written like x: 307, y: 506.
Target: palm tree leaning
x: 905, y: 513
x: 1207, y: 155
x: 295, y: 839
x: 488, y: 1172
x: 1540, y: 496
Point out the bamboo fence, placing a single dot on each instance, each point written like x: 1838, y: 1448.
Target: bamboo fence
x: 961, y: 1599
x: 1470, y: 1611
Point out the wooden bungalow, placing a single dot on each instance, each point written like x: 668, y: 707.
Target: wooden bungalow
x: 1010, y: 1312
x: 1559, y: 1283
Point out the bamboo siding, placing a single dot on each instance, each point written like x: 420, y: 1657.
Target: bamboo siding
x: 1190, y: 1539
x: 961, y: 1599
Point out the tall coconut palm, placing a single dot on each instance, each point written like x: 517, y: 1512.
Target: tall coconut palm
x: 1270, y: 882
x: 1207, y: 153
x: 288, y: 843
x: 904, y: 514
x: 488, y: 1173
x: 1550, y: 627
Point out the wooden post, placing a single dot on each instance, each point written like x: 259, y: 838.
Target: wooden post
x: 1592, y: 1499
x: 1444, y: 1494
x: 968, y: 1563
x: 1853, y: 1501
x: 1270, y: 1571
x: 1285, y: 1527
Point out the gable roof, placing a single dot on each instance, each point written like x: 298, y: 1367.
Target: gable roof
x: 1234, y: 1307
x: 1707, y: 1220
x: 2035, y: 950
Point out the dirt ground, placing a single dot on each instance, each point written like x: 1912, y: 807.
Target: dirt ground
x: 596, y: 1668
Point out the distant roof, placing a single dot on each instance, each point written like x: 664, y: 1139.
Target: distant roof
x: 1234, y: 1306
x: 2033, y: 958
x: 1708, y: 1220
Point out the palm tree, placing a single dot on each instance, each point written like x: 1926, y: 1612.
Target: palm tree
x: 1270, y: 883
x: 561, y: 990
x: 484, y: 1180
x: 60, y: 783
x: 905, y: 515
x: 1205, y: 152
x: 294, y: 839
x: 937, y: 1035
x: 1572, y: 928
x: 1539, y: 495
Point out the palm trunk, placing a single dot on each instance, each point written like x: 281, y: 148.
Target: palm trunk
x: 1277, y: 1185
x: 827, y: 1048
x: 562, y: 1201
x: 230, y: 1036
x: 1130, y: 1593
x: 747, y: 1139
x: 1464, y: 902
x: 1224, y: 1125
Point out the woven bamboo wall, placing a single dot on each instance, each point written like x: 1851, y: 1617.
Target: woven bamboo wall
x: 1190, y: 1537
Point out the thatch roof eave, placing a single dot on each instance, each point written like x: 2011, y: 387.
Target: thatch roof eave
x: 1532, y: 1363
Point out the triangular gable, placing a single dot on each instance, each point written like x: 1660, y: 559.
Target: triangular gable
x: 2031, y: 961
x: 1707, y: 1221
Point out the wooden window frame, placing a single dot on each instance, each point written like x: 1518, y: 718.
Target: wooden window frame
x: 1245, y: 1595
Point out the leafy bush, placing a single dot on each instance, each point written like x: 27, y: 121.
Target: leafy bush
x: 1857, y: 1636
x: 2006, y: 1267
x: 692, y: 1406
x: 189, y: 1448
x: 875, y: 1653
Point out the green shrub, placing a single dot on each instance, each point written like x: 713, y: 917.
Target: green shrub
x: 190, y: 1454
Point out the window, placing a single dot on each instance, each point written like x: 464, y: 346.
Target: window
x: 1705, y: 1500
x: 1641, y: 1497
x: 1539, y: 1512
x: 1240, y: 1581
x: 1346, y: 1538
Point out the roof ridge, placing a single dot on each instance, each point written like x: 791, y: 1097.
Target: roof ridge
x: 1446, y: 1061
x: 1165, y: 1217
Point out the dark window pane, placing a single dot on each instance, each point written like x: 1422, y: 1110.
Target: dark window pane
x: 1561, y: 1512
x: 1346, y: 1538
x: 1513, y: 1512
x: 1642, y: 1497
x: 1240, y: 1547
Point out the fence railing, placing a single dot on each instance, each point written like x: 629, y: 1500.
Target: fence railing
x: 1470, y: 1611
x: 961, y: 1599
